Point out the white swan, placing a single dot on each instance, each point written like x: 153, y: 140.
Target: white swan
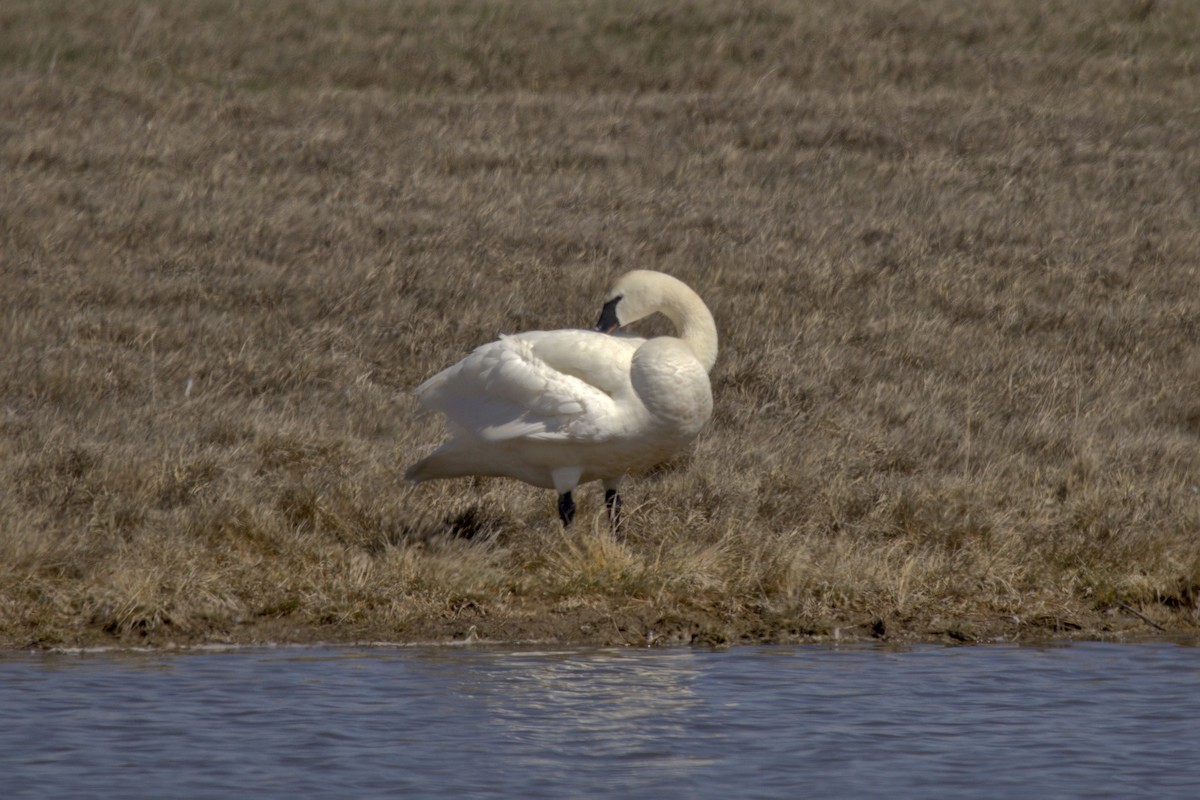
x: 559, y: 408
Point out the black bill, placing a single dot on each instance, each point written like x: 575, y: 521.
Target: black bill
x: 608, y: 317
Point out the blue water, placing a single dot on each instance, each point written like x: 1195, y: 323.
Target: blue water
x: 1085, y: 720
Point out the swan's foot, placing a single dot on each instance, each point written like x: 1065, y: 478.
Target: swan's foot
x: 566, y: 509
x: 613, y: 501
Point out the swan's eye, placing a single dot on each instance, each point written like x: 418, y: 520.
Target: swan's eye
x: 608, y: 316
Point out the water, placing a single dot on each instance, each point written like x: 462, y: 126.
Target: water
x: 1086, y: 720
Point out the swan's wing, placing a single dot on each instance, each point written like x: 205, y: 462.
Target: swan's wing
x: 514, y: 388
x: 598, y: 359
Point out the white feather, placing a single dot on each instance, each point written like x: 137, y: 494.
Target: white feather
x: 550, y: 385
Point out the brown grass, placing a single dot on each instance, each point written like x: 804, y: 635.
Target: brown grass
x: 952, y: 251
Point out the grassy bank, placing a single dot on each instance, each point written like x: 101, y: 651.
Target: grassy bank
x: 953, y: 254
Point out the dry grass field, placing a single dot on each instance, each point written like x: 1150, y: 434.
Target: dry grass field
x: 952, y: 249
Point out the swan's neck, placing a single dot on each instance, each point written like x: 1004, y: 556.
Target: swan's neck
x: 696, y: 327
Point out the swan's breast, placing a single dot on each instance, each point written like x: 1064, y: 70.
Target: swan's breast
x: 673, y: 386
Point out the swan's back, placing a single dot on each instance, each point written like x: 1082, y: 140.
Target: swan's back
x: 545, y: 384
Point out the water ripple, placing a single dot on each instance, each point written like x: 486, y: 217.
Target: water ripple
x: 1093, y: 720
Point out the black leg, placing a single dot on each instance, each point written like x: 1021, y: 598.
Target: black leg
x: 613, y: 501
x: 566, y: 509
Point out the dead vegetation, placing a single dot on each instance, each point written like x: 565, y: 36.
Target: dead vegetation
x: 952, y: 252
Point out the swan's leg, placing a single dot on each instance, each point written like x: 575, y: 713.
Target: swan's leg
x: 565, y: 480
x: 613, y: 501
x: 566, y: 509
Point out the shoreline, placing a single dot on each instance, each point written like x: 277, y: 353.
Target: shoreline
x: 630, y: 630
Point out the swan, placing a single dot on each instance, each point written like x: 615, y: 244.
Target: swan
x: 559, y: 408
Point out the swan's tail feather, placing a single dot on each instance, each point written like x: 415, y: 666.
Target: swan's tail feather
x: 442, y: 463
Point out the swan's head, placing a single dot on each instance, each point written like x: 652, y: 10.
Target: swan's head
x: 644, y: 292
x: 635, y: 295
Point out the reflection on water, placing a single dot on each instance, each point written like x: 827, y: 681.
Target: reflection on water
x: 1084, y: 720
x: 553, y: 703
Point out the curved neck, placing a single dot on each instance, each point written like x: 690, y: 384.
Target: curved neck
x: 696, y: 327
